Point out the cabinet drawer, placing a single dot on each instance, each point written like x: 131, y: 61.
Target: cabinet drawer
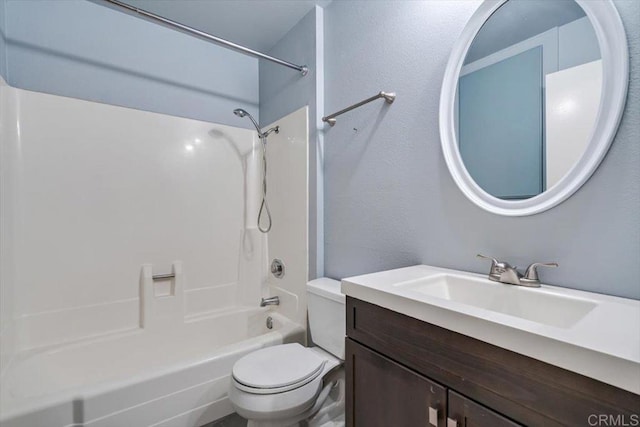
x: 526, y: 390
x: 382, y: 393
x: 464, y: 412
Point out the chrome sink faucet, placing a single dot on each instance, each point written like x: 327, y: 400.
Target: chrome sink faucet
x: 503, y: 272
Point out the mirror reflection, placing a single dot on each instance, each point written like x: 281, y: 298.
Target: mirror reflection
x: 528, y: 96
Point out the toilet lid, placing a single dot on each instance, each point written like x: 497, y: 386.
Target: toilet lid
x: 278, y: 366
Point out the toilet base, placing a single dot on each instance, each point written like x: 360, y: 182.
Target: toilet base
x: 330, y: 413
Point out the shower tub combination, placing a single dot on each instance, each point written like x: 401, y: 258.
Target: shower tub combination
x: 140, y: 378
x: 104, y: 343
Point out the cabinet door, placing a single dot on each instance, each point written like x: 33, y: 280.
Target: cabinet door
x: 382, y: 393
x: 464, y: 412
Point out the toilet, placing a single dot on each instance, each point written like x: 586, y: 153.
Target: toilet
x: 288, y: 384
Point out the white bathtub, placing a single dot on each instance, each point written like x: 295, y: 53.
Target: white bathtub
x: 178, y: 377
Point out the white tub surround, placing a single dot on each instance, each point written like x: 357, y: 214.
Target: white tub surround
x: 8, y: 154
x: 287, y: 176
x: 597, y: 335
x: 100, y: 191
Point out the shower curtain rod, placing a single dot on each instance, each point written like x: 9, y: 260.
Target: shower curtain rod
x: 206, y: 36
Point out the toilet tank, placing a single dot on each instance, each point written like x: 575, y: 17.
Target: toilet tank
x: 327, y: 322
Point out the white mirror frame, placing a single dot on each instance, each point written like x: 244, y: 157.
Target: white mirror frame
x: 615, y: 63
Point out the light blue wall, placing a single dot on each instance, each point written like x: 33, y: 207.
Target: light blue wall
x: 389, y: 198
x: 283, y: 92
x: 84, y: 50
x: 3, y: 52
x: 577, y: 44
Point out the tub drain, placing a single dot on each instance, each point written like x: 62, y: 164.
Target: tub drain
x: 269, y: 323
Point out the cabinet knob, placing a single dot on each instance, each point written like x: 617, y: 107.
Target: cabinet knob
x: 451, y: 422
x: 433, y: 417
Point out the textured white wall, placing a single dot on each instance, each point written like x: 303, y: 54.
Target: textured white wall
x: 389, y: 198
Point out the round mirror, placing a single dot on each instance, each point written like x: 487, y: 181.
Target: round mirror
x: 532, y: 97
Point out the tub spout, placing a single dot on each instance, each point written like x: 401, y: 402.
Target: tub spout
x: 270, y: 301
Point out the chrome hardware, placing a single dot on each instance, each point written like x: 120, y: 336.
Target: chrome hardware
x: 269, y: 322
x: 433, y: 416
x: 117, y: 4
x: 451, y: 422
x: 264, y: 207
x: 510, y: 275
x: 163, y: 276
x: 496, y: 267
x: 277, y: 268
x: 389, y: 97
x: 531, y: 274
x: 269, y: 301
x: 503, y: 272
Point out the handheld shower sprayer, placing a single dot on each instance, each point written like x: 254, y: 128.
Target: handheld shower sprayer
x: 263, y: 135
x: 264, y: 207
x: 242, y: 113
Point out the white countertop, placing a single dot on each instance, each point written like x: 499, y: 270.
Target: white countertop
x: 604, y: 344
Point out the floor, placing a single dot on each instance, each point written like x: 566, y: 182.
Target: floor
x: 233, y: 420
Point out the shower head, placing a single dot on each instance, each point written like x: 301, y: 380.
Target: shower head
x: 242, y: 113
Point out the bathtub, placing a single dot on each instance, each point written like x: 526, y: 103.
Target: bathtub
x: 176, y: 377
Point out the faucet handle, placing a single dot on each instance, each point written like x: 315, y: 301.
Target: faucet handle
x: 497, y: 267
x: 531, y: 274
x: 495, y: 261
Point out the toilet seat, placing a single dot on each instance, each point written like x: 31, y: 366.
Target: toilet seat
x: 277, y: 369
x: 283, y: 405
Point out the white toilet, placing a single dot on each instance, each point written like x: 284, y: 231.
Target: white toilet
x: 287, y: 384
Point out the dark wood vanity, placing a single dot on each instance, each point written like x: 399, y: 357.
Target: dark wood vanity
x: 403, y: 372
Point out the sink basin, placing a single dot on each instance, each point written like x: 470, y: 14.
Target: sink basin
x: 534, y: 304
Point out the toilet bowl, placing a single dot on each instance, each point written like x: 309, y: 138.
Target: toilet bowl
x: 286, y: 384
x: 282, y: 384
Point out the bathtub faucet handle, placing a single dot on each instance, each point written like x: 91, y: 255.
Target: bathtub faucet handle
x: 270, y: 301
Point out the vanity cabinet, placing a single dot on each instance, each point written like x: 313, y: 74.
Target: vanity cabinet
x: 404, y: 372
x: 388, y: 394
x: 385, y: 393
